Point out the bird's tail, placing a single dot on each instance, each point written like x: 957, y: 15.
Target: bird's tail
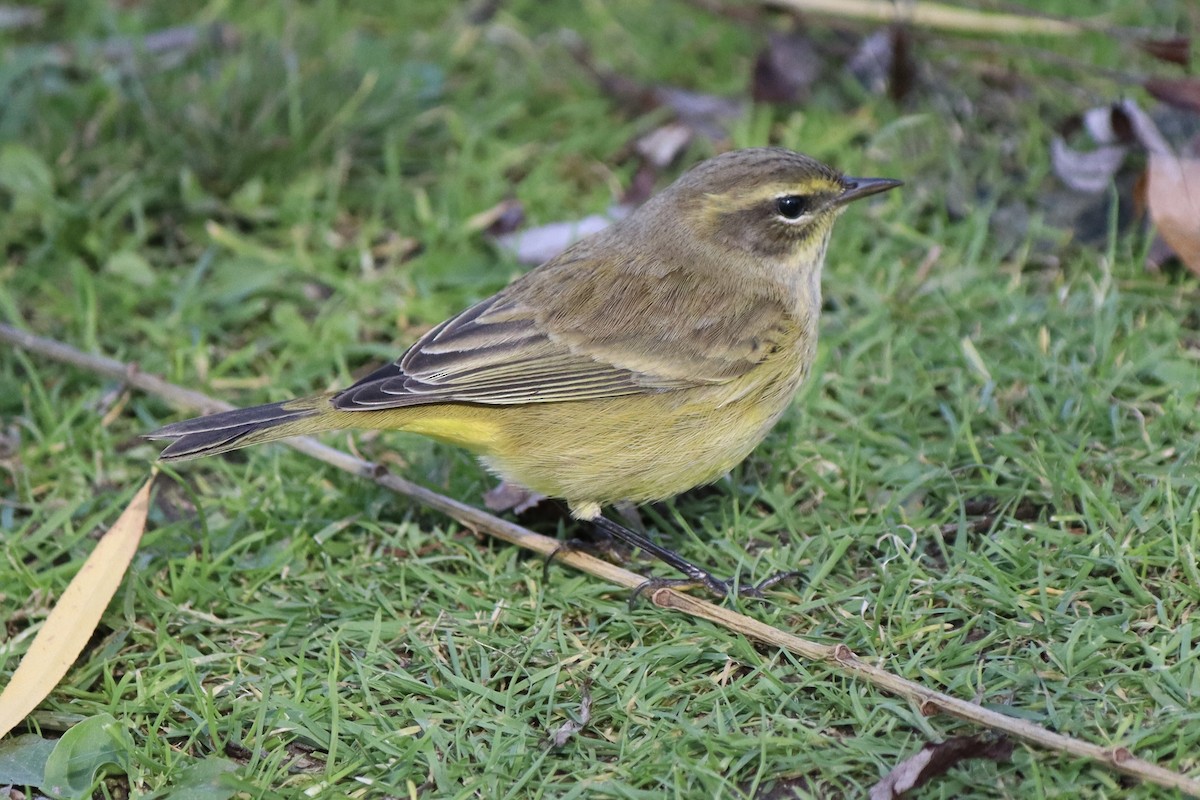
x: 232, y: 430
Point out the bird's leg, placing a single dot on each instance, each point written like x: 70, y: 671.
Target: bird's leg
x: 600, y: 544
x: 630, y: 516
x: 695, y: 575
x: 611, y: 531
x: 642, y: 542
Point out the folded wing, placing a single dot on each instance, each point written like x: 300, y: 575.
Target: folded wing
x: 565, y: 336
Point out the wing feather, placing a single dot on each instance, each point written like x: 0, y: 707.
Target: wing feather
x: 563, y: 337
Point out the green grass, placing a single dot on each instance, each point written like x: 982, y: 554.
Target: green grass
x: 991, y: 487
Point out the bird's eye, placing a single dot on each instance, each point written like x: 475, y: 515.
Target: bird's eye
x: 791, y: 206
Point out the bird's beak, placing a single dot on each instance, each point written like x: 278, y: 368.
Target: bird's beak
x: 856, y: 188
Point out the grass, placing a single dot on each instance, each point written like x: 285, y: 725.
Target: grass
x: 991, y: 487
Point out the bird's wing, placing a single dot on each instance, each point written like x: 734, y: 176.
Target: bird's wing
x: 561, y: 333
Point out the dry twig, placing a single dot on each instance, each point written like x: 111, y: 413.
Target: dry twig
x: 938, y: 16
x: 838, y: 657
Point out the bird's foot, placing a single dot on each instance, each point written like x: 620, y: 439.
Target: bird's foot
x: 602, y: 546
x: 714, y: 585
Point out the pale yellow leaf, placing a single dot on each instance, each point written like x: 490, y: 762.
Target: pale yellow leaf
x: 73, y: 620
x: 1173, y: 195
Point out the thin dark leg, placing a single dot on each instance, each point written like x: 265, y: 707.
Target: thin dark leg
x: 648, y: 545
x: 695, y: 575
x: 602, y: 546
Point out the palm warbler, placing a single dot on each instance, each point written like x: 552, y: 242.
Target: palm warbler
x: 645, y: 360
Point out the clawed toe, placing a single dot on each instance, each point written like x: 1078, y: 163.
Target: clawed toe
x: 715, y: 586
x: 696, y: 576
x: 606, y: 548
x: 778, y: 578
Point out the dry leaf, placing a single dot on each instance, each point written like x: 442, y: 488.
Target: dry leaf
x: 504, y: 217
x: 871, y: 63
x: 935, y: 759
x: 709, y: 115
x: 1109, y: 125
x: 661, y: 146
x: 1087, y: 171
x: 1092, y: 171
x: 504, y: 496
x: 74, y: 618
x: 537, y: 245
x: 1172, y: 188
x: 1180, y: 92
x: 1175, y: 50
x: 1141, y: 127
x: 1173, y: 195
x: 568, y: 729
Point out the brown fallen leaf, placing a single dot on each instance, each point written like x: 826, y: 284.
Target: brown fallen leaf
x: 1174, y: 49
x: 1172, y: 187
x: 1179, y: 92
x: 1173, y: 196
x: 74, y: 618
x: 935, y: 759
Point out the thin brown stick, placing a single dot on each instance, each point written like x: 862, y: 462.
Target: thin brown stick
x: 839, y: 657
x: 938, y: 16
x: 1001, y: 19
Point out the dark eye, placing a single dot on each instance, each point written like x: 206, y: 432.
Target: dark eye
x: 791, y: 206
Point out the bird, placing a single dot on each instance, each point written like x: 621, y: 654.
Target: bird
x: 644, y: 360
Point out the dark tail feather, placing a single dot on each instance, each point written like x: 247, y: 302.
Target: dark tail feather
x: 231, y: 430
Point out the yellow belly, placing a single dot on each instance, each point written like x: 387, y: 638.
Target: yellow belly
x: 637, y: 448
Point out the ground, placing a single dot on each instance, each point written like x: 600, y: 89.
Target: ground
x: 990, y: 486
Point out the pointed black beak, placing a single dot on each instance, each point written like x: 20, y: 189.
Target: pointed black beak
x: 856, y: 188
